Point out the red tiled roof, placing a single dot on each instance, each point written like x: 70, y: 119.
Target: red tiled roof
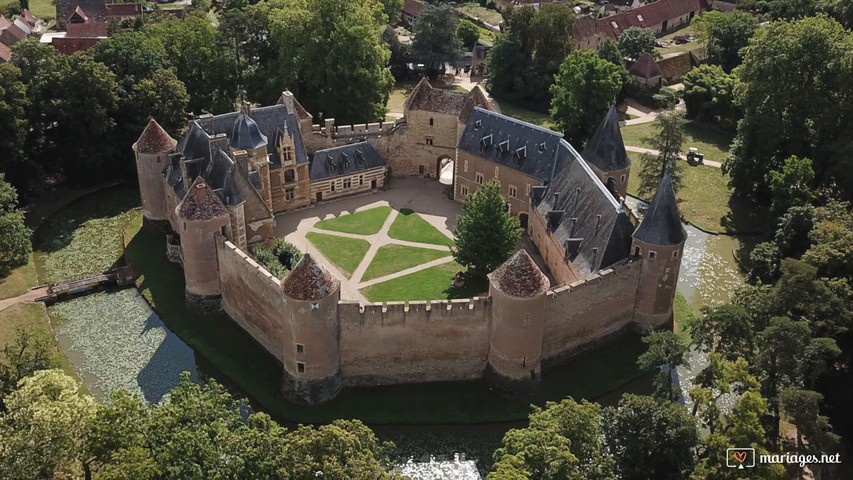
x: 650, y: 15
x: 520, y: 277
x: 413, y: 8
x: 645, y: 67
x: 5, y: 53
x: 4, y: 23
x: 29, y: 17
x: 585, y: 27
x: 424, y: 97
x: 200, y: 203
x: 309, y: 281
x: 124, y: 9
x: 69, y: 46
x: 675, y: 67
x: 155, y: 140
x: 12, y: 35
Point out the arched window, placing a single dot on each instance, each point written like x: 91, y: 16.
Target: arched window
x: 289, y: 175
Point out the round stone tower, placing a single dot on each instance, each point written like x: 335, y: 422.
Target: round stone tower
x: 152, y: 151
x: 658, y: 244
x: 246, y: 135
x: 607, y: 157
x: 312, y: 362
x: 201, y: 215
x: 517, y: 289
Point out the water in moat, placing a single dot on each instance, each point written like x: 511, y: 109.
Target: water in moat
x: 137, y: 352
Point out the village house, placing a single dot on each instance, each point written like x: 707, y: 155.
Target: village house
x: 25, y: 25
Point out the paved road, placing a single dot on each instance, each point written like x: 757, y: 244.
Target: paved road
x: 30, y: 296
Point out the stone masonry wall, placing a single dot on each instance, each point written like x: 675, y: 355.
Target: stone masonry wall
x: 421, y: 342
x: 252, y: 297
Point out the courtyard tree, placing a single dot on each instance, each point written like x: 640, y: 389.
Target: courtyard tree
x: 436, y: 43
x: 650, y: 438
x: 667, y: 140
x: 486, y: 235
x: 583, y: 92
x: 468, y: 33
x: 636, y: 41
x: 795, y: 99
x: 15, y: 246
x: 723, y: 35
x: 709, y: 96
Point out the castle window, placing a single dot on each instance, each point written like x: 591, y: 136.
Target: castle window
x: 478, y: 124
x: 485, y: 143
x: 652, y: 255
x: 288, y: 155
x: 464, y: 191
x: 300, y: 348
x: 513, y: 192
x: 429, y: 140
x: 421, y: 170
x: 361, y: 180
x: 542, y: 147
x: 430, y: 121
x: 347, y: 183
x: 528, y: 190
x: 497, y: 171
x: 519, y: 155
x: 636, y: 251
x: 675, y: 255
x: 479, y: 178
x: 300, y: 367
x: 332, y: 184
x: 465, y: 166
x: 503, y: 147
x: 289, y: 194
x: 289, y: 175
x: 622, y: 178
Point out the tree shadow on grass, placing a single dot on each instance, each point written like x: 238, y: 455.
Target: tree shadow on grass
x: 746, y: 217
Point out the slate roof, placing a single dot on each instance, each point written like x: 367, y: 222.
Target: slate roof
x: 154, y: 139
x: 219, y: 174
x: 245, y: 133
x: 512, y: 143
x: 662, y: 223
x: 95, y: 9
x: 269, y: 120
x: 200, y: 203
x: 650, y: 15
x: 309, y: 281
x: 645, y: 67
x: 606, y: 150
x: 344, y: 160
x: 583, y: 216
x: 520, y: 277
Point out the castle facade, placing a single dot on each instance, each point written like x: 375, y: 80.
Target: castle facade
x: 218, y: 190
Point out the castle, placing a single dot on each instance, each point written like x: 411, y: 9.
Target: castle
x: 219, y: 189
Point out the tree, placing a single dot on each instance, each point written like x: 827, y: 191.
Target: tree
x: 668, y: 138
x: 486, y: 234
x: 650, y: 438
x: 709, y: 95
x: 666, y: 352
x: 831, y: 241
x: 44, y: 432
x: 792, y: 185
x: 793, y: 229
x: 725, y: 329
x: 636, y: 41
x: 609, y: 50
x: 393, y: 9
x: 436, y: 43
x: 723, y: 35
x: 583, y: 92
x: 824, y: 303
x: 14, y: 127
x: 795, y: 103
x: 162, y: 97
x: 280, y: 259
x: 28, y: 353
x: 764, y: 261
x: 468, y: 33
x: 15, y: 246
x: 803, y: 407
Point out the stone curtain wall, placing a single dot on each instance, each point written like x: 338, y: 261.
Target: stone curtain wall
x: 252, y: 297
x: 588, y: 310
x: 421, y: 342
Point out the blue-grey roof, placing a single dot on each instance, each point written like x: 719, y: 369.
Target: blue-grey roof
x: 245, y: 134
x: 512, y: 143
x: 662, y: 223
x: 220, y: 177
x: 606, y: 150
x: 271, y: 120
x: 583, y: 216
x: 344, y: 160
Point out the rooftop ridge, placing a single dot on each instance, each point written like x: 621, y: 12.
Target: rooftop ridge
x: 515, y: 120
x: 597, y: 181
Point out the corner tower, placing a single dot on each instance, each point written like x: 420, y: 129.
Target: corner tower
x: 247, y: 136
x: 518, y: 290
x: 312, y: 361
x: 607, y: 157
x: 201, y: 215
x: 658, y: 244
x: 152, y: 151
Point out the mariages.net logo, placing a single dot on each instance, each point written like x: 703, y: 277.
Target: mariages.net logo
x: 741, y: 458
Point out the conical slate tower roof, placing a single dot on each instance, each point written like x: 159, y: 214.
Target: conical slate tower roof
x: 200, y: 203
x: 606, y: 150
x: 309, y: 281
x: 520, y: 277
x: 662, y: 223
x: 155, y: 140
x: 245, y: 134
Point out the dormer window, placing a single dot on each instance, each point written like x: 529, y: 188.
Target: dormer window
x: 542, y: 147
x: 640, y: 18
x: 503, y: 147
x: 344, y: 161
x: 485, y: 143
x: 519, y: 155
x: 330, y: 163
x: 359, y: 158
x: 478, y: 124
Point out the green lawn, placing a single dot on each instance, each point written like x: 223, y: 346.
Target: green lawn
x: 710, y: 141
x: 395, y: 258
x: 520, y: 113
x: 344, y: 252
x: 706, y: 201
x: 365, y: 222
x: 673, y: 48
x: 475, y: 10
x: 19, y: 281
x: 434, y: 283
x: 409, y: 226
x: 683, y: 316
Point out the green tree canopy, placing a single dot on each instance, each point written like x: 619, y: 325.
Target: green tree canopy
x: 15, y: 246
x: 666, y: 349
x: 436, y: 42
x: 792, y: 185
x: 14, y: 127
x: 583, y: 92
x: 709, y: 95
x: 636, y: 41
x: 486, y: 235
x: 667, y: 140
x: 723, y: 35
x: 468, y: 33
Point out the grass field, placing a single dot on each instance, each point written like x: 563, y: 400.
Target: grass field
x: 434, y: 283
x: 673, y: 48
x: 395, y: 258
x: 536, y: 118
x: 19, y: 281
x: 409, y: 226
x: 706, y: 201
x: 365, y: 222
x: 344, y: 252
x: 475, y: 10
x: 710, y: 141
